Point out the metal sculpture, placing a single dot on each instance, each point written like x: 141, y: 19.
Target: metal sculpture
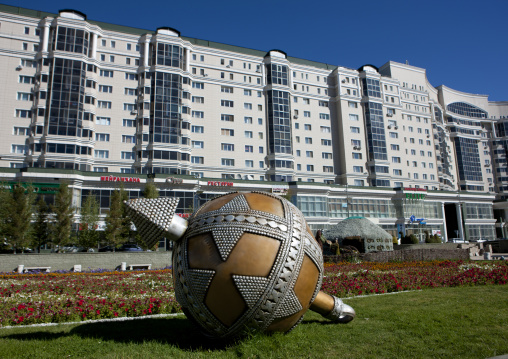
x: 244, y: 262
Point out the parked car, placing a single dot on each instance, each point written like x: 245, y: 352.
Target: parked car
x: 129, y: 247
x: 106, y: 249
x: 126, y: 247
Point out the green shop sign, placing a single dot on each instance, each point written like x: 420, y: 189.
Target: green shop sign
x: 42, y: 188
x: 415, y: 195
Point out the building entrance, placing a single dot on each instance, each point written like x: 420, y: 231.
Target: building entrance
x: 452, y: 226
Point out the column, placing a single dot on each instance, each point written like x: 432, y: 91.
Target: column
x: 459, y: 220
x: 145, y: 52
x: 445, y: 236
x: 95, y: 38
x: 187, y: 60
x: 45, y: 37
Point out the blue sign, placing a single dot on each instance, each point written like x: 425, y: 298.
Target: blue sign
x: 412, y: 218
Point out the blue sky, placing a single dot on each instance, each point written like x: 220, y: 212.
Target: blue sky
x: 462, y: 44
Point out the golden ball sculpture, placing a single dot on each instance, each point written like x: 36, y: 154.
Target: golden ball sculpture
x: 247, y: 262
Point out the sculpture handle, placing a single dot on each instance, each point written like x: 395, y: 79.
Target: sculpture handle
x: 332, y: 308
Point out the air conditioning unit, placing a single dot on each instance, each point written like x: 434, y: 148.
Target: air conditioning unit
x: 396, y: 127
x: 205, y: 75
x: 428, y: 136
x: 389, y: 114
x: 295, y: 116
x: 389, y: 127
x: 258, y: 70
x: 19, y: 68
x: 228, y: 66
x: 358, y: 148
x: 355, y: 147
x: 134, y: 112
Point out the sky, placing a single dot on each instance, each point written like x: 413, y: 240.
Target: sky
x: 461, y: 44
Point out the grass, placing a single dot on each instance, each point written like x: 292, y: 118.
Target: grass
x: 465, y: 322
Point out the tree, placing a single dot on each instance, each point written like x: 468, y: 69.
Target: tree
x: 117, y: 223
x: 151, y: 190
x: 90, y: 211
x: 41, y: 229
x: 18, y: 214
x: 64, y: 214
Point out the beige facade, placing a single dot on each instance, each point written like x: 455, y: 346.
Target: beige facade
x: 153, y: 101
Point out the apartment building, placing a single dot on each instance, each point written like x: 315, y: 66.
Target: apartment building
x: 96, y: 104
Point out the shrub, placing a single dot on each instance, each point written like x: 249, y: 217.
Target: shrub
x: 395, y: 240
x: 411, y: 239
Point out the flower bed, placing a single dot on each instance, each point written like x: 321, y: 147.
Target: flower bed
x: 64, y: 297
x: 351, y: 279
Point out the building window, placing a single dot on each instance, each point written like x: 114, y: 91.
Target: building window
x: 101, y: 153
x: 247, y: 106
x: 128, y: 139
x: 249, y: 148
x: 197, y: 160
x: 198, y: 114
x: 105, y: 121
x: 227, y: 132
x: 105, y: 88
x: 249, y: 163
x: 127, y: 155
x: 226, y: 103
x: 326, y: 155
x: 104, y: 104
x: 354, y: 129
x: 198, y: 144
x: 358, y: 169
x: 248, y: 134
x: 106, y: 73
x: 20, y: 149
x: 197, y: 129
x: 24, y: 113
x: 310, y: 168
x: 353, y: 117
x: 102, y: 137
x: 227, y: 118
x: 228, y: 162
x: 357, y: 156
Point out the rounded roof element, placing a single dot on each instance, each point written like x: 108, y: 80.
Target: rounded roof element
x: 72, y: 14
x: 368, y: 68
x: 166, y: 30
x: 276, y: 53
x: 356, y: 227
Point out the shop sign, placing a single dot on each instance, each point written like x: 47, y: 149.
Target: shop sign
x: 415, y: 189
x: 281, y: 190
x: 415, y: 196
x: 220, y: 184
x: 119, y: 179
x: 417, y: 220
x: 183, y: 215
x: 43, y: 188
x: 173, y: 180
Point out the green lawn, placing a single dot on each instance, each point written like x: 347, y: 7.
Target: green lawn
x: 466, y: 322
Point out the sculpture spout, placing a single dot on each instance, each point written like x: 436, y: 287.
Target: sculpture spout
x: 332, y: 308
x: 155, y: 218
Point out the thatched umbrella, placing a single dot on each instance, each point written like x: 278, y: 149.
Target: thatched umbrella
x: 371, y: 235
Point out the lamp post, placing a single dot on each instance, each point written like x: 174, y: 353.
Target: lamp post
x: 347, y: 200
